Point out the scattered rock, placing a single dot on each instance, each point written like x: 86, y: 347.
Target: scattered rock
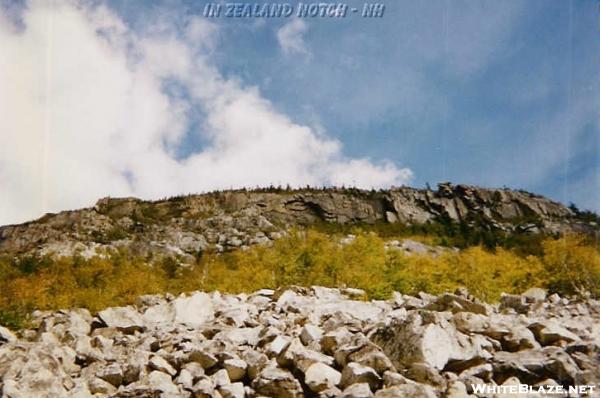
x: 194, y: 310
x: 535, y: 294
x: 6, y: 336
x: 407, y: 390
x: 356, y: 373
x: 358, y: 390
x: 236, y: 369
x: 204, y: 388
x: 549, y: 332
x: 234, y: 390
x: 160, y: 364
x: 455, y: 303
x: 100, y: 386
x: 320, y: 377
x: 221, y: 378
x: 204, y: 358
x: 124, y: 319
x: 159, y: 381
x: 409, y: 342
x: 519, y: 338
x: 274, y: 382
x: 112, y: 373
x: 310, y: 333
x: 303, y: 342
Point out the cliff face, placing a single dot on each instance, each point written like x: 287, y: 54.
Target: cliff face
x: 224, y: 220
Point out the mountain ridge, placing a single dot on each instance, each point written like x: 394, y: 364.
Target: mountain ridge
x: 225, y: 220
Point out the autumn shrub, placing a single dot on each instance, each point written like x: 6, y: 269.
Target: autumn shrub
x: 572, y: 266
x: 569, y: 265
x: 485, y: 274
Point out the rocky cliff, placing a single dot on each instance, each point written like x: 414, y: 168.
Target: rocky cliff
x: 188, y: 225
x: 307, y: 342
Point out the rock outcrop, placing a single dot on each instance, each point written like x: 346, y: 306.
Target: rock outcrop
x: 186, y: 226
x: 304, y: 342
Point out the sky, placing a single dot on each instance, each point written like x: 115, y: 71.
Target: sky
x: 153, y: 99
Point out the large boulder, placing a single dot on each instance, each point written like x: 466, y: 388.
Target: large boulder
x: 233, y: 390
x: 519, y: 338
x: 356, y: 373
x: 408, y: 343
x: 236, y: 368
x: 125, y: 319
x: 161, y: 382
x: 456, y: 303
x: 194, y: 310
x: 407, y: 390
x: 319, y: 377
x: 357, y: 390
x: 549, y: 332
x: 429, y: 339
x: 299, y: 357
x: 6, y: 336
x: 274, y: 382
x: 532, y: 366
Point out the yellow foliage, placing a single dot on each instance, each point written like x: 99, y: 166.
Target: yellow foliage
x: 572, y: 265
x: 485, y: 274
x: 568, y: 265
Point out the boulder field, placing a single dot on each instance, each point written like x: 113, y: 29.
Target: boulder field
x: 305, y: 342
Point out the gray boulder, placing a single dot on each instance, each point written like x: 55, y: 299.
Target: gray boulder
x: 274, y: 382
x: 319, y: 377
x: 125, y: 319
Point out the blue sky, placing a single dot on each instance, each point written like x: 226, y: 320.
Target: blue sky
x: 481, y: 92
x: 493, y: 93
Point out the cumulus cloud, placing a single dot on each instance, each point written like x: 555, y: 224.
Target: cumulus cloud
x: 91, y: 108
x: 291, y: 37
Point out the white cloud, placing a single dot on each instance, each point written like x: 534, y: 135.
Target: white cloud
x: 85, y: 115
x: 291, y: 37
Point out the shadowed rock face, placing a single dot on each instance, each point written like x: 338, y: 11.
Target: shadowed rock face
x: 231, y: 219
x: 304, y: 342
